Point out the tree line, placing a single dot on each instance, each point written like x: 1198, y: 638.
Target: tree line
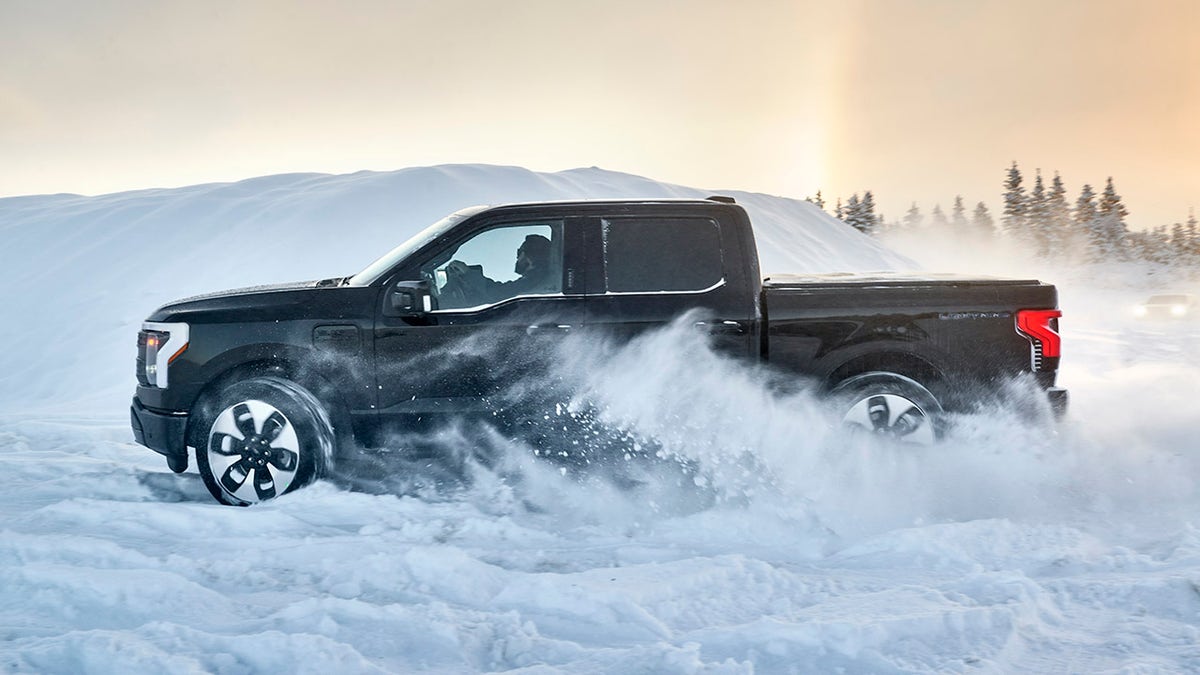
x: 1041, y: 219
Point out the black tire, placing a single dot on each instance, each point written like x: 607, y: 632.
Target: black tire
x: 267, y: 437
x: 891, y: 406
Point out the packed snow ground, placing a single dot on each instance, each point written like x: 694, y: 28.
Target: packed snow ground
x: 762, y: 543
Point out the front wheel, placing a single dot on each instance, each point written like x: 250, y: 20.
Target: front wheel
x: 268, y: 437
x: 890, y: 406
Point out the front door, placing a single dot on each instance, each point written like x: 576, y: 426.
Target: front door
x: 503, y: 297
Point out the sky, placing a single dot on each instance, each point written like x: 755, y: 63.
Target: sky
x: 915, y: 100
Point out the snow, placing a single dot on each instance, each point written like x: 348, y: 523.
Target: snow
x: 760, y: 543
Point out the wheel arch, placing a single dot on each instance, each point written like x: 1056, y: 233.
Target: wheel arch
x: 906, y: 364
x: 290, y: 364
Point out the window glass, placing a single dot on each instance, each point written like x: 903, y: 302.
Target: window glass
x: 661, y: 254
x: 393, y: 257
x: 498, y: 264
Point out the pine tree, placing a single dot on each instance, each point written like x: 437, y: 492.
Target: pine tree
x: 867, y: 217
x: 818, y: 200
x: 1159, y: 245
x: 981, y: 220
x: 1058, y: 218
x: 860, y: 213
x: 1193, y: 235
x: 1015, y: 207
x: 851, y: 211
x: 958, y: 215
x: 1086, y: 222
x: 840, y: 211
x: 1150, y: 245
x: 1111, y: 217
x: 1179, y: 245
x: 939, y: 218
x: 1037, y: 214
x: 913, y: 219
x: 1085, y: 207
x: 1110, y: 203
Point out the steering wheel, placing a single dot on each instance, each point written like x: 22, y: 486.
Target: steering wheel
x: 464, y: 285
x: 453, y: 294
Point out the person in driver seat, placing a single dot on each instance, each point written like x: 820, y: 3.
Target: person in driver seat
x: 533, y: 266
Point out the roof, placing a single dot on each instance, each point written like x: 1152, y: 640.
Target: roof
x: 624, y: 201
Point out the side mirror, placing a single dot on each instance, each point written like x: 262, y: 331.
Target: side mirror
x: 409, y: 299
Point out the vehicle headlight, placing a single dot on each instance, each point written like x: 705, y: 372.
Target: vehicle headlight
x: 1178, y: 310
x: 159, y: 344
x: 1139, y: 310
x: 151, y: 342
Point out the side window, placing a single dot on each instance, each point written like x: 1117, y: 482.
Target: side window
x: 662, y: 254
x: 497, y: 264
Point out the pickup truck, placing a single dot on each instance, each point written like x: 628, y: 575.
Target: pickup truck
x: 267, y: 383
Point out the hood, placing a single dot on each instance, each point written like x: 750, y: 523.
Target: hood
x: 257, y: 299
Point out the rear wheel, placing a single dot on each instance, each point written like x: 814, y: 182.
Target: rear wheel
x: 890, y: 406
x: 269, y: 436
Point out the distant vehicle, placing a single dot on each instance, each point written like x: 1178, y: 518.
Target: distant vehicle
x: 1169, y: 306
x: 270, y: 384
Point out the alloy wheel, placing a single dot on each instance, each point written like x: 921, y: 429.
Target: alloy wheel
x: 891, y: 416
x: 253, y: 451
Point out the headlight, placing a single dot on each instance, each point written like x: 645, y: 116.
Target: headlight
x: 1140, y: 310
x: 159, y: 344
x: 1178, y: 310
x: 150, y: 343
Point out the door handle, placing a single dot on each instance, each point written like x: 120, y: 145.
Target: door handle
x: 721, y: 327
x: 546, y: 328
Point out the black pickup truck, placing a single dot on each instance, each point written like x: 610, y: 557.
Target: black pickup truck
x: 267, y: 383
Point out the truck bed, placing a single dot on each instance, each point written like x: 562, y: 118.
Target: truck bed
x: 967, y: 326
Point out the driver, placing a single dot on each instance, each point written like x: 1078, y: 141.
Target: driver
x: 533, y: 266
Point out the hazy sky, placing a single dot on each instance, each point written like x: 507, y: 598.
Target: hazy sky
x: 917, y: 100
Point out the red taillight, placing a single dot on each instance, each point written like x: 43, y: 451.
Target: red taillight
x: 1039, y: 326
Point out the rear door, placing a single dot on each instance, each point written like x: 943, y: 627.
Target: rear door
x: 650, y: 266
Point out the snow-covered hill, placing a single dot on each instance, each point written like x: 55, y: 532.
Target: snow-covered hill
x: 81, y: 273
x: 1007, y: 548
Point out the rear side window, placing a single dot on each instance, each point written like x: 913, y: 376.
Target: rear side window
x: 662, y: 254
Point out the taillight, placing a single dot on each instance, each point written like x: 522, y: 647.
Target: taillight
x: 1041, y: 327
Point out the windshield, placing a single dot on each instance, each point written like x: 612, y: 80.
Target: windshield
x: 389, y: 260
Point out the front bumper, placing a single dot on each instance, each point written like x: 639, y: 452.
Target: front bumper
x: 1059, y: 400
x: 161, y: 432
